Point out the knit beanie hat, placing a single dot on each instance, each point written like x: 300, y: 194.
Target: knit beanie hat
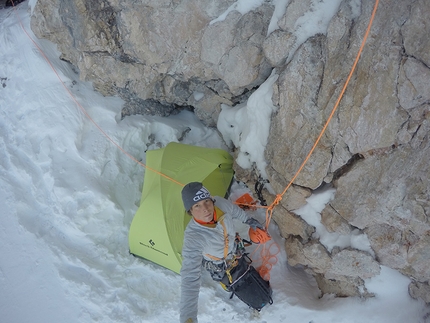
x: 194, y: 192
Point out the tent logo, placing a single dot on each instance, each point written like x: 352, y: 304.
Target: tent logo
x: 201, y: 194
x: 152, y: 247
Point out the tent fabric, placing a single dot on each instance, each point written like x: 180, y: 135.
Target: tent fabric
x: 157, y: 230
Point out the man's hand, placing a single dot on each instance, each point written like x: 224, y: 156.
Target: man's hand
x: 253, y: 223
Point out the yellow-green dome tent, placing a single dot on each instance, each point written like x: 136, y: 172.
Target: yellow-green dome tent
x: 157, y: 230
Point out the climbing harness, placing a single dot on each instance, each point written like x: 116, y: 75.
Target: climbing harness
x: 237, y: 275
x: 218, y: 268
x: 242, y: 280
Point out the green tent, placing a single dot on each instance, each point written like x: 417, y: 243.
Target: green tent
x: 157, y: 230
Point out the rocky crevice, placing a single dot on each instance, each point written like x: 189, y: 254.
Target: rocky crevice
x: 375, y: 151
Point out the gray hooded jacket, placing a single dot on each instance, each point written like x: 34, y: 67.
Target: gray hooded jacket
x: 199, y: 241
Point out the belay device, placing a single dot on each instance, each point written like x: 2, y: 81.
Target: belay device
x: 242, y: 280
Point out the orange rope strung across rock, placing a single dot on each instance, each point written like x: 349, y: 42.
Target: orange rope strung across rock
x: 279, y: 196
x: 268, y: 256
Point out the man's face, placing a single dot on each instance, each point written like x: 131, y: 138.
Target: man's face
x: 203, y: 210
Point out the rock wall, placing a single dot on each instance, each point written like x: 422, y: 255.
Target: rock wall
x: 162, y: 56
x: 376, y: 149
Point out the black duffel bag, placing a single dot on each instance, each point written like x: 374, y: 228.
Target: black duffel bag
x: 246, y: 283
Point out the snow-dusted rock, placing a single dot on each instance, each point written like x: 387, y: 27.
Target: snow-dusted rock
x: 161, y: 56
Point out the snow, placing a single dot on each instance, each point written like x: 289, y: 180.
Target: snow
x: 311, y: 213
x: 69, y: 194
x: 247, y: 126
x: 242, y: 6
x: 279, y: 11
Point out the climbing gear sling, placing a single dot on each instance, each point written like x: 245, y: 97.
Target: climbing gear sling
x: 238, y: 276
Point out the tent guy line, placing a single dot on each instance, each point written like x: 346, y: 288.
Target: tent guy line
x: 83, y: 109
x: 269, y: 209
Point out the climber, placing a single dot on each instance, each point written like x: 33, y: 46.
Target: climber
x: 210, y: 242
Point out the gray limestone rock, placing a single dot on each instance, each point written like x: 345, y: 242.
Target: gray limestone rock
x: 375, y: 151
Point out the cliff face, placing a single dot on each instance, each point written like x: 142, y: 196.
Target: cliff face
x: 157, y: 54
x: 160, y: 56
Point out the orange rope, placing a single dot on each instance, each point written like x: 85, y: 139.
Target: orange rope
x: 84, y: 111
x: 279, y: 196
x: 267, y: 257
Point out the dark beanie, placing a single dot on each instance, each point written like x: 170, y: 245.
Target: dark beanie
x: 194, y: 192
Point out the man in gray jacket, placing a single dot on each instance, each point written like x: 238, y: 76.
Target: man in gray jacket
x: 209, y: 241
